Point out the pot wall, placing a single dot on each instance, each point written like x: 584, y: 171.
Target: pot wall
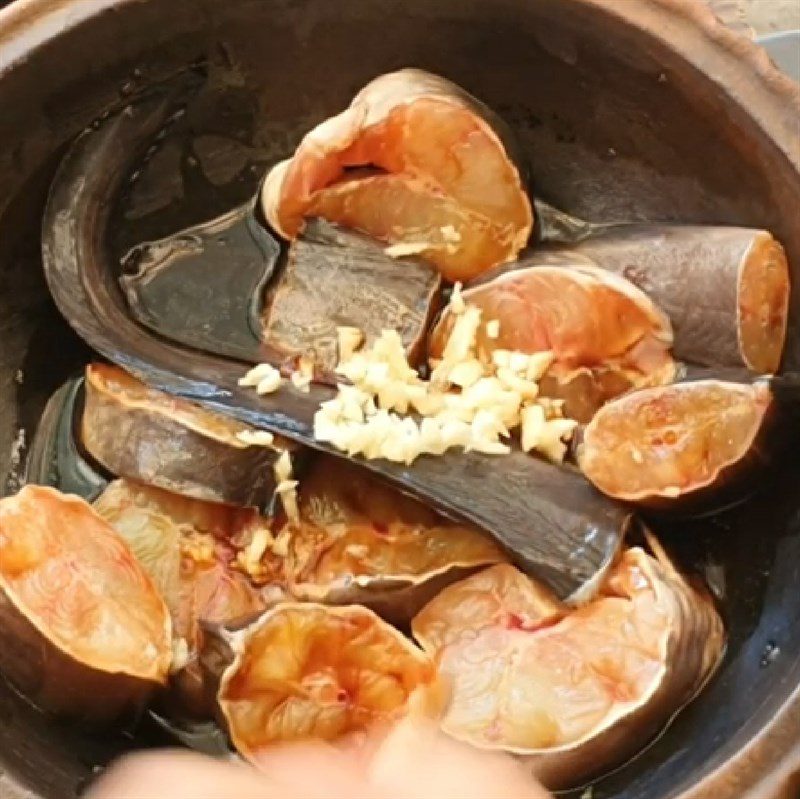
x: 619, y: 124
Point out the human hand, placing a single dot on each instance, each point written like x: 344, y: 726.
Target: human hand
x: 414, y: 761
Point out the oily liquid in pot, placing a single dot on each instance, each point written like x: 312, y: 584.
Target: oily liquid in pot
x: 193, y: 257
x: 204, y: 165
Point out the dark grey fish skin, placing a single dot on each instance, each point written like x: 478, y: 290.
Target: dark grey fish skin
x: 55, y: 459
x: 338, y: 278
x: 203, y: 286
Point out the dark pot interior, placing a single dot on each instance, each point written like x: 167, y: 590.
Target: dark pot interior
x: 617, y: 126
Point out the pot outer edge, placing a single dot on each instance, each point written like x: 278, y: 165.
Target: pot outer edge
x: 769, y: 766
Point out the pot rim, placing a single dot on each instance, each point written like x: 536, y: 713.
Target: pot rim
x: 768, y: 765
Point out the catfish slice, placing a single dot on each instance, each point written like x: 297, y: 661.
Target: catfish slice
x: 692, y: 447
x: 445, y: 177
x: 571, y: 691
x: 310, y: 671
x: 606, y: 335
x: 143, y: 434
x: 83, y: 630
x: 189, y: 549
x: 725, y: 289
x: 360, y: 540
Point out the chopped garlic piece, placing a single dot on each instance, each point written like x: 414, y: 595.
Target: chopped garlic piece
x: 431, y: 437
x: 180, y: 655
x: 466, y: 373
x: 457, y: 304
x: 403, y: 248
x: 501, y: 359
x: 354, y: 369
x: 518, y: 361
x: 527, y: 389
x: 460, y: 346
x: 270, y: 384
x: 265, y: 378
x: 450, y: 234
x: 330, y: 431
x: 301, y: 382
x: 262, y: 538
x: 393, y: 396
x: 538, y: 364
x: 302, y: 376
x: 256, y: 438
x: 199, y: 547
x: 456, y: 433
x: 257, y: 374
x: 287, y: 491
x: 283, y: 467
x: 389, y: 349
x: 493, y: 329
x: 281, y: 545
x: 429, y: 403
x: 672, y: 492
x: 545, y: 436
x: 486, y: 432
x: 533, y: 422
x: 489, y: 392
x: 402, y: 446
x: 349, y: 340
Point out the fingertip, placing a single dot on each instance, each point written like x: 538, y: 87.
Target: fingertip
x: 179, y: 774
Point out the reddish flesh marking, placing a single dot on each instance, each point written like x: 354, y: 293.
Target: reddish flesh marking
x: 514, y: 621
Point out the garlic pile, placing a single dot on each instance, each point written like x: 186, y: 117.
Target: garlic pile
x: 468, y: 402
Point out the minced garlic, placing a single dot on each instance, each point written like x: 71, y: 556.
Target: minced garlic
x: 281, y: 545
x: 493, y: 329
x: 543, y: 435
x: 262, y: 538
x: 282, y: 467
x: 404, y: 248
x: 256, y: 438
x: 456, y: 304
x: 469, y: 402
x: 287, y: 491
x: 249, y: 559
x: 460, y: 346
x: 286, y: 487
x: 180, y: 655
x: 466, y: 373
x: 349, y: 340
x: 302, y: 376
x: 198, y: 547
x: 264, y: 377
x: 450, y: 234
